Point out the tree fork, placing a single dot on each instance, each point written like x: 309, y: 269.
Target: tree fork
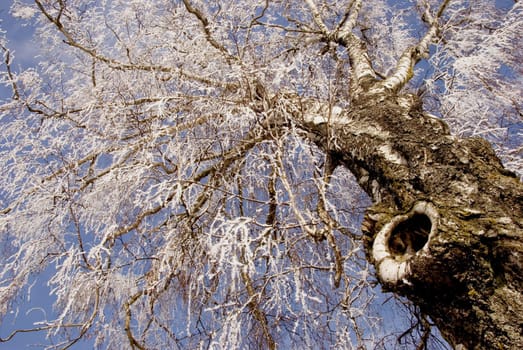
x: 446, y: 225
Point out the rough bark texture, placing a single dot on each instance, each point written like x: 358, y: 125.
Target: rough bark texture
x: 469, y: 276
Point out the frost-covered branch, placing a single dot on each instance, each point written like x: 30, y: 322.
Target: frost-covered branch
x: 130, y: 66
x: 205, y: 25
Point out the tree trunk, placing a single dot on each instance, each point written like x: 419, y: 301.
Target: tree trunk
x: 446, y: 224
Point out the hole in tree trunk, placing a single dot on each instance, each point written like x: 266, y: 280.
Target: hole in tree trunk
x: 409, y: 236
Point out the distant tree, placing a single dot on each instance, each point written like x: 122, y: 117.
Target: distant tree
x: 191, y: 172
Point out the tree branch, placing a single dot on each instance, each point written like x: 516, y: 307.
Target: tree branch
x: 116, y: 64
x: 208, y: 35
x: 349, y: 21
x: 317, y: 18
x: 404, y: 70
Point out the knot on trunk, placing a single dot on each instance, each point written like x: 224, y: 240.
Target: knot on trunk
x: 403, y: 238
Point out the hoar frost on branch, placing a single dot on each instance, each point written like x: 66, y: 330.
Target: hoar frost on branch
x: 157, y: 160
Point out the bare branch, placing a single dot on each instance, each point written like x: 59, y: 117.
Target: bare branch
x: 317, y: 18
x: 404, y: 70
x: 128, y: 318
x: 349, y: 20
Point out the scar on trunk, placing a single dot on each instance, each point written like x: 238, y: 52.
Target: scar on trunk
x: 401, y: 239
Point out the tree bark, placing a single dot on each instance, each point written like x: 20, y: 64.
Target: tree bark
x: 446, y: 225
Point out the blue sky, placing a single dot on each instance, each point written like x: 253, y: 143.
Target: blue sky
x: 38, y: 306
x: 20, y: 41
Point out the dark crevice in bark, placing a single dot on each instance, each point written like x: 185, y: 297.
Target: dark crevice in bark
x: 469, y: 277
x: 410, y: 236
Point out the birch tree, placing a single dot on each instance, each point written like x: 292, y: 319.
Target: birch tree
x: 242, y: 174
